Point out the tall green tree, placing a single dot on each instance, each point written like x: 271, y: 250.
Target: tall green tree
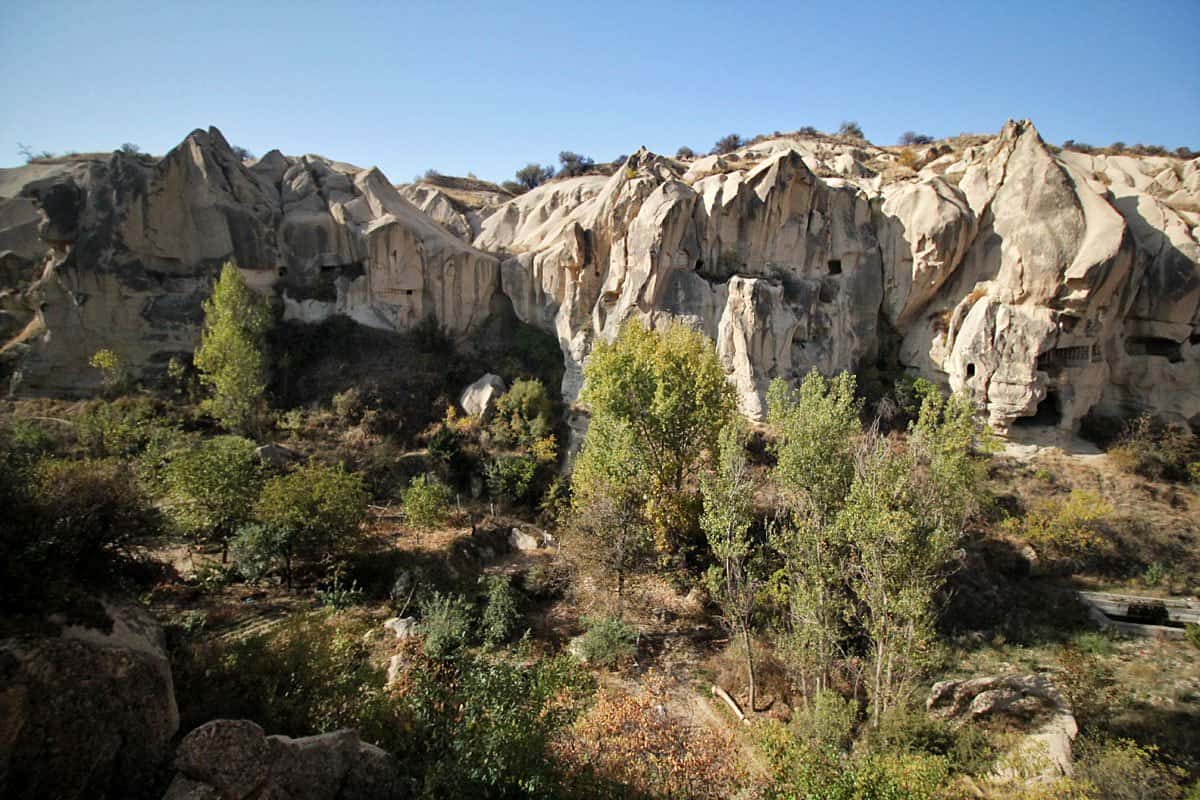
x: 815, y: 430
x: 230, y: 358
x: 609, y: 528
x: 728, y: 513
x: 319, y: 510
x: 212, y: 488
x: 669, y: 389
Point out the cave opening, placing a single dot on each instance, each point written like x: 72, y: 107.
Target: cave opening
x: 1154, y: 346
x: 970, y: 371
x: 835, y: 266
x: 1049, y: 412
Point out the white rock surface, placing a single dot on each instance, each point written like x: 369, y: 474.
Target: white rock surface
x: 480, y: 397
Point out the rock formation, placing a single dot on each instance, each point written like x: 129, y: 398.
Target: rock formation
x: 88, y: 712
x: 234, y: 759
x: 1044, y: 284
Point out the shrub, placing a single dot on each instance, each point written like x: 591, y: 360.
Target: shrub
x: 510, y: 477
x: 322, y: 507
x: 827, y: 720
x: 908, y: 158
x: 339, y: 596
x: 1067, y: 529
x: 1191, y: 632
x: 121, y: 427
x: 523, y: 414
x: 114, y: 373
x: 348, y: 405
x: 425, y: 501
x: 909, y: 138
x: 445, y: 625
x: 630, y: 746
x: 258, y: 548
x: 212, y: 487
x: 533, y: 175
x: 608, y: 641
x: 574, y: 164
x: 1122, y: 769
x: 727, y: 144
x: 1157, y: 451
x: 685, y: 152
x: 1087, y: 685
x: 501, y: 612
x: 851, y: 130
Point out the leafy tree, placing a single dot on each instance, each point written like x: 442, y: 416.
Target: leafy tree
x: 523, y: 414
x: 609, y: 528
x: 510, y: 477
x: 685, y: 152
x: 501, y: 611
x: 727, y: 144
x: 112, y: 368
x: 909, y: 138
x: 130, y: 148
x: 574, y: 164
x: 531, y: 176
x: 212, y: 488
x: 242, y: 153
x: 257, y: 549
x: 320, y: 508
x: 851, y: 129
x: 230, y: 357
x: 815, y: 428
x: 425, y: 501
x: 728, y: 513
x: 668, y: 388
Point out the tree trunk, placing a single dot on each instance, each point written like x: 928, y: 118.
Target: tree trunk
x: 749, y: 666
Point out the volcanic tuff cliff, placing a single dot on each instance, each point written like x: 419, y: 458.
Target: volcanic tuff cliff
x: 1040, y: 282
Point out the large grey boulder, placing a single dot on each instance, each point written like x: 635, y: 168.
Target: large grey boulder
x: 236, y: 760
x: 480, y: 397
x: 88, y: 712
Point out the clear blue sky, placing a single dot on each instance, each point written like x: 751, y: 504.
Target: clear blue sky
x: 487, y: 87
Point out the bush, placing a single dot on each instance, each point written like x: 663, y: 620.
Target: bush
x: 685, y: 152
x: 523, y: 414
x: 338, y: 596
x: 426, y: 502
x: 1122, y: 769
x: 1157, y: 451
x: 608, y: 641
x: 510, y: 477
x: 445, y: 625
x: 574, y: 164
x: 1067, y: 529
x: 67, y: 520
x: 827, y: 720
x: 348, y: 405
x: 727, y: 144
x: 533, y: 175
x: 321, y: 507
x: 501, y: 612
x: 114, y: 373
x: 630, y: 746
x: 851, y: 130
x: 122, y: 427
x: 258, y: 548
x: 213, y: 486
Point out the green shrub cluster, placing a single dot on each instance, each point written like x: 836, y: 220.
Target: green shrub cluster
x: 608, y: 641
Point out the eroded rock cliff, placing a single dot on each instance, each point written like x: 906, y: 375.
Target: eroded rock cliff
x: 1043, y: 283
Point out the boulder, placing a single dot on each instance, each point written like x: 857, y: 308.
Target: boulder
x: 1031, y: 700
x: 530, y: 538
x: 402, y: 628
x: 88, y: 712
x: 276, y: 455
x: 236, y: 760
x: 480, y: 397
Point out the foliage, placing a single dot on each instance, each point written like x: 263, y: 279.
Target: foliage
x: 533, y: 175
x: 1122, y: 769
x: 321, y: 507
x: 70, y: 520
x: 1087, y: 685
x: 258, y: 548
x: 851, y: 129
x: 827, y: 720
x: 120, y: 427
x: 608, y: 641
x: 910, y: 138
x: 348, y: 405
x: 445, y: 625
x: 510, y: 477
x: 212, y: 488
x: 1191, y: 632
x: 685, y: 152
x: 523, y: 414
x: 727, y: 144
x: 426, y: 502
x: 628, y: 746
x: 338, y: 596
x: 608, y: 526
x: 501, y: 611
x: 1064, y: 529
x: 728, y: 511
x: 312, y: 674
x: 480, y: 726
x: 230, y: 357
x: 573, y: 164
x: 668, y: 389
x: 113, y: 370
x: 1157, y: 451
